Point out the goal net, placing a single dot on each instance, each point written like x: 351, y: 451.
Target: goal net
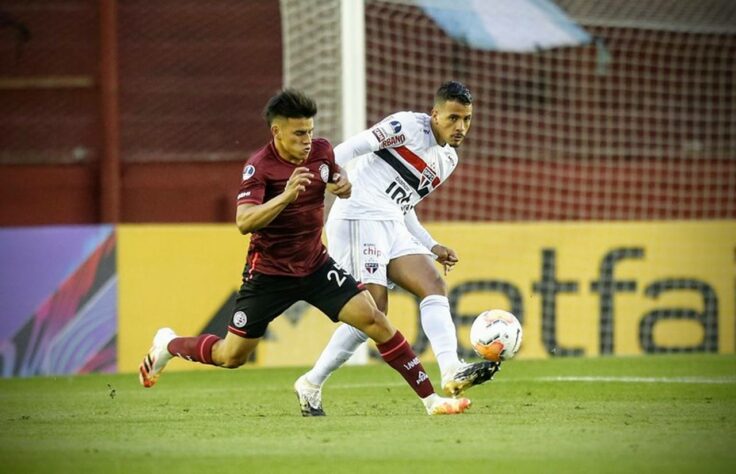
x: 638, y: 125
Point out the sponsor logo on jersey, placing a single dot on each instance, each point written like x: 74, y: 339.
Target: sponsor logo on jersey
x: 412, y: 168
x: 239, y: 319
x: 378, y: 133
x: 243, y: 194
x: 248, y: 171
x: 371, y: 250
x: 324, y: 172
x: 371, y: 267
x: 393, y: 141
x: 395, y: 125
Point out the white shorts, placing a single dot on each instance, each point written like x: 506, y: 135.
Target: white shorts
x: 364, y: 248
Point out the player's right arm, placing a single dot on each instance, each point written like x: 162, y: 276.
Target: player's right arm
x: 357, y: 145
x: 388, y: 133
x: 251, y: 217
x: 445, y: 255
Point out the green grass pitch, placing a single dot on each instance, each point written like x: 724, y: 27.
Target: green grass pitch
x: 645, y: 414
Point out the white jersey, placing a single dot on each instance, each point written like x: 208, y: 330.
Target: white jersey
x: 401, y: 164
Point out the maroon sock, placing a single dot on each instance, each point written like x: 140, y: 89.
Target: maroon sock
x: 398, y: 354
x: 197, y: 349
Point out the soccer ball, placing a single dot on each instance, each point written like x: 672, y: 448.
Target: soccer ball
x: 496, y: 335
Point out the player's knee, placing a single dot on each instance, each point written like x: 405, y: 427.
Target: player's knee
x: 378, y: 326
x: 435, y: 286
x: 362, y: 313
x: 441, y: 287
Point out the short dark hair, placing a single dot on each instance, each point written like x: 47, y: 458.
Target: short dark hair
x: 289, y: 103
x: 455, y: 91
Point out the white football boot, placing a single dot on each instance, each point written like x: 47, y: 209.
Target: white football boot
x: 310, y: 397
x: 157, y: 358
x: 437, y: 405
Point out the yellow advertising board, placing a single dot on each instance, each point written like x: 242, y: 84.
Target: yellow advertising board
x: 579, y: 288
x: 185, y: 277
x: 599, y: 288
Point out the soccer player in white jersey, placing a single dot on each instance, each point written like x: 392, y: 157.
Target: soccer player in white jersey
x: 376, y: 235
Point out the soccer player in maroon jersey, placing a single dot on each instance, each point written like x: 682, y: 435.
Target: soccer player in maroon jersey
x: 281, y: 203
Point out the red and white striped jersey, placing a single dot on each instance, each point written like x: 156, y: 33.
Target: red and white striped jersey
x: 398, y: 164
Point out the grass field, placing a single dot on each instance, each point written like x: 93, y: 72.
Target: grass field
x: 649, y: 414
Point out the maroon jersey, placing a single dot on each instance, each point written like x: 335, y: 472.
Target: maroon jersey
x: 291, y: 244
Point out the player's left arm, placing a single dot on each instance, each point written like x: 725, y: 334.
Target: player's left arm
x: 445, y: 255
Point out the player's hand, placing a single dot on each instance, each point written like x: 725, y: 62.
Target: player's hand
x: 340, y: 185
x: 297, y: 183
x: 446, y: 256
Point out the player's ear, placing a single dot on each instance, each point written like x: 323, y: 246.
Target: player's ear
x: 275, y: 129
x: 434, y: 114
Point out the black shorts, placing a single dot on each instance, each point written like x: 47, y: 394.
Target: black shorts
x: 264, y: 297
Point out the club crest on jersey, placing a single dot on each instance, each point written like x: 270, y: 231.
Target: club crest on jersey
x: 371, y: 267
x: 248, y: 171
x: 324, y: 172
x: 428, y: 175
x: 239, y: 319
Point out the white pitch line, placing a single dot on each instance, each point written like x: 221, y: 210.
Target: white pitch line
x: 627, y: 379
x: 572, y: 378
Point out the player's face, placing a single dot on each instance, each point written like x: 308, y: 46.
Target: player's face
x: 451, y: 122
x: 293, y: 138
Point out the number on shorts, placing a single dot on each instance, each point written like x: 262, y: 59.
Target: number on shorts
x: 339, y: 279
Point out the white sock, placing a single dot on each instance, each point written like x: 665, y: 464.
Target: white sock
x: 440, y: 330
x: 343, y: 344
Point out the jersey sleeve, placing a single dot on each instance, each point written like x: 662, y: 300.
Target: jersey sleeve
x: 252, y: 185
x: 394, y: 131
x: 332, y: 160
x: 391, y: 132
x: 357, y: 145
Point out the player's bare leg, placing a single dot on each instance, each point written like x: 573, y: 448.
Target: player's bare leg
x: 230, y: 352
x: 419, y: 275
x: 233, y: 351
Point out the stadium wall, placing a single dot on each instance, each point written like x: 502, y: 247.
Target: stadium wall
x: 646, y: 134
x: 192, y: 79
x: 82, y: 299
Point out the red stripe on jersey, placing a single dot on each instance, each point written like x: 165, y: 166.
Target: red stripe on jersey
x: 414, y: 160
x: 236, y: 331
x: 253, y: 262
x: 248, y: 201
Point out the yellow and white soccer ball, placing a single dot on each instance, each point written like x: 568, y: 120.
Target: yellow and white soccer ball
x: 496, y: 335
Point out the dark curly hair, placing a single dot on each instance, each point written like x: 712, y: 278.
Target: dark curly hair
x: 454, y: 91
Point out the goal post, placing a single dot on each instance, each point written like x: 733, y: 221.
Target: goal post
x: 324, y: 55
